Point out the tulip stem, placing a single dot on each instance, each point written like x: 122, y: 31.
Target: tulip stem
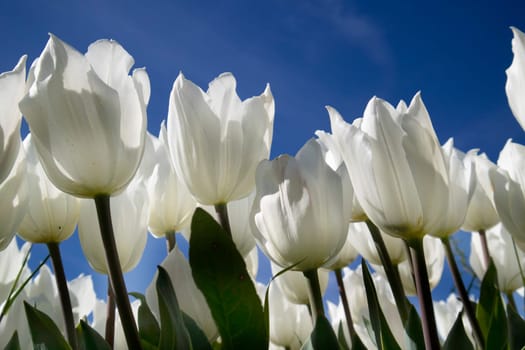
x: 424, y: 295
x: 67, y: 309
x: 314, y: 292
x: 171, y: 242
x: 115, y: 272
x: 484, y: 247
x: 520, y: 267
x: 110, y: 317
x: 222, y: 212
x: 344, y: 300
x: 391, y: 272
x: 511, y: 301
x: 463, y: 294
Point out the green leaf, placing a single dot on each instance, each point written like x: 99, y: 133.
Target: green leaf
x: 89, y: 339
x: 383, y: 335
x: 173, y: 332
x: 516, y: 329
x: 414, y: 332
x: 490, y: 312
x: 44, y: 333
x: 322, y: 336
x: 199, y: 341
x: 220, y: 273
x: 341, y: 337
x: 357, y: 344
x: 14, y: 343
x: 457, y: 337
x: 149, y: 330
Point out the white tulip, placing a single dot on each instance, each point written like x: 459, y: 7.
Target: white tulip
x: 298, y: 209
x: 172, y: 205
x: 481, y: 212
x: 515, y: 86
x: 190, y: 298
x: 87, y: 116
x: 216, y: 140
x: 129, y: 213
x: 12, y: 88
x: 52, y: 215
x: 294, y: 285
x: 501, y: 249
x: 397, y: 167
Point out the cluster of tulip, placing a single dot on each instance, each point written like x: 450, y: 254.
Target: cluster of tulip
x: 381, y: 188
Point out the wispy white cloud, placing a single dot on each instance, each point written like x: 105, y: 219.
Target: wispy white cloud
x: 357, y: 28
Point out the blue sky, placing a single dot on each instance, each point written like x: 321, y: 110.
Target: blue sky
x: 313, y: 53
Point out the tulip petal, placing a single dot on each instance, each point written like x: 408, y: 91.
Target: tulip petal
x: 515, y: 86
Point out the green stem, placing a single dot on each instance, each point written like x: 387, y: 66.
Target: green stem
x: 115, y: 272
x: 5, y: 308
x: 424, y: 295
x: 171, y: 242
x: 314, y: 290
x: 392, y: 273
x: 344, y: 300
x: 110, y: 317
x: 63, y: 292
x: 484, y: 247
x: 222, y: 212
x: 463, y: 294
x: 511, y: 301
x: 519, y: 266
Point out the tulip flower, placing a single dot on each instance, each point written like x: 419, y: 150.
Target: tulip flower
x: 52, y: 215
x: 100, y: 319
x: 508, y: 265
x: 397, y: 167
x: 42, y: 292
x: 360, y: 236
x: 446, y: 314
x: 298, y: 209
x: 435, y: 262
x: 240, y: 223
x: 515, y: 86
x: 290, y: 324
x: 190, y: 298
x: 129, y: 211
x: 334, y: 158
x: 294, y: 285
x: 172, y: 205
x: 460, y: 187
x: 402, y: 180
x: 216, y: 140
x: 87, y: 116
x: 13, y: 200
x: 353, y: 281
x: 11, y: 260
x: 12, y: 88
x: 481, y: 212
x: 509, y: 190
x: 347, y: 254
